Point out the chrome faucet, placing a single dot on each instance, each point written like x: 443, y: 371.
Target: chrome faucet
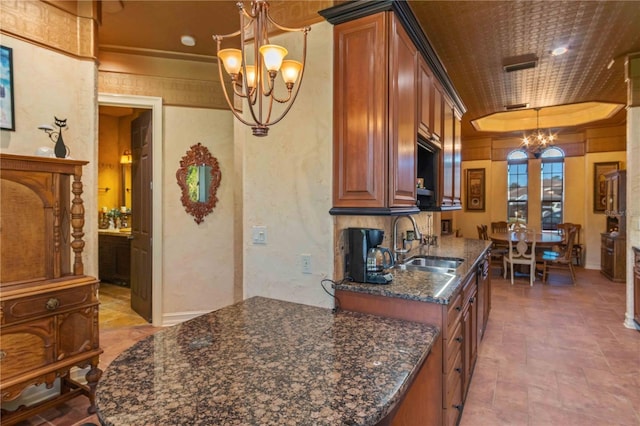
x: 416, y: 233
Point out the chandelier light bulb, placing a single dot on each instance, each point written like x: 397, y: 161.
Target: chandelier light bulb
x: 231, y: 59
x: 273, y: 56
x: 290, y: 71
x: 251, y: 76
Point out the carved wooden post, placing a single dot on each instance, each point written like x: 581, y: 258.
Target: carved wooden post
x: 77, y: 223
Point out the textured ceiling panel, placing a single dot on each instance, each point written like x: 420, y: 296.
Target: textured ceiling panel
x: 472, y: 38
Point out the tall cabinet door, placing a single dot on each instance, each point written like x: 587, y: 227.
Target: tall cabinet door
x: 447, y: 156
x: 457, y: 160
x: 403, y: 113
x: 360, y: 105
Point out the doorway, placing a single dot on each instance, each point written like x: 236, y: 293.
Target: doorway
x: 145, y: 251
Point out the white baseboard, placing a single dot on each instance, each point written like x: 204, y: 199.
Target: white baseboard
x: 179, y: 317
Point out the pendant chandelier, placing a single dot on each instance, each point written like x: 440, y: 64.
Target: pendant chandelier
x: 253, y: 71
x: 539, y: 140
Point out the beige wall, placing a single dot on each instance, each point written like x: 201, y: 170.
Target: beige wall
x: 198, y: 258
x: 287, y: 185
x: 48, y: 84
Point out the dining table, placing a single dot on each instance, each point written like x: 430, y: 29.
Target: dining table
x: 543, y: 239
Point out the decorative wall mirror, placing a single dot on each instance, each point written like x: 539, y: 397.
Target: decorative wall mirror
x: 199, y: 177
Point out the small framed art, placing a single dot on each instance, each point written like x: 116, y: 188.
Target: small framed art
x: 475, y: 190
x: 7, y: 120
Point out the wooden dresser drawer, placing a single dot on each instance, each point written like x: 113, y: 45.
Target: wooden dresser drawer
x: 47, y: 303
x: 25, y: 347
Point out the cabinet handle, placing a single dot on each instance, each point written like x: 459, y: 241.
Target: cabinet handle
x: 458, y: 407
x: 458, y: 370
x: 3, y: 354
x: 459, y: 339
x: 52, y: 304
x: 458, y: 308
x: 472, y: 299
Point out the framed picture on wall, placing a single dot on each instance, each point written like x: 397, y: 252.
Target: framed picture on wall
x: 7, y: 120
x: 475, y: 190
x: 600, y: 185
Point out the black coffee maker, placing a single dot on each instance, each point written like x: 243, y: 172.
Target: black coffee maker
x: 365, y: 260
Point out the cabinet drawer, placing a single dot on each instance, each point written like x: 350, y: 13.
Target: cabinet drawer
x: 453, y: 315
x: 453, y: 378
x: 453, y: 347
x: 608, y: 243
x: 453, y: 407
x: 25, y: 347
x: 47, y: 303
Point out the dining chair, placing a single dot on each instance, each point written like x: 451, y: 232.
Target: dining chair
x: 576, y: 252
x: 562, y: 259
x: 499, y: 227
x: 482, y: 232
x: 521, y: 253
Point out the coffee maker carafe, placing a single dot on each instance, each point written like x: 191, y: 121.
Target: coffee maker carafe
x: 366, y: 261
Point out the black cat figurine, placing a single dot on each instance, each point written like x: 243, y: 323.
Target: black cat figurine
x: 60, y: 148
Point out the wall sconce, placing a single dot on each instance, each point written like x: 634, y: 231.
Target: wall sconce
x: 60, y: 149
x: 125, y: 158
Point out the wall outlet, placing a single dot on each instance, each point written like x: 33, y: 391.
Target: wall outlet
x: 305, y: 260
x: 259, y: 235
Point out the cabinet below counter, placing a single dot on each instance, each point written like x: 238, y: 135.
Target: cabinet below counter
x: 457, y: 304
x: 270, y: 362
x: 114, y: 257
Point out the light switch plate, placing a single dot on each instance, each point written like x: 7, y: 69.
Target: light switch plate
x: 259, y: 235
x: 305, y: 259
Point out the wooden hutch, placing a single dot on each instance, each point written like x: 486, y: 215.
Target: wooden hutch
x: 48, y: 307
x: 613, y: 254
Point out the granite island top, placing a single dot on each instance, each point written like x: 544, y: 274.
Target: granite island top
x: 266, y: 362
x: 425, y: 286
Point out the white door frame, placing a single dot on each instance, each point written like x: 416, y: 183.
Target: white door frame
x: 155, y: 104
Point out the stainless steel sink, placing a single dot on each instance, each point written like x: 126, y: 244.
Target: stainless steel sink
x: 432, y: 263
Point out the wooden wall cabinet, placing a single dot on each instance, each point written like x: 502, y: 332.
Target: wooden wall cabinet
x: 375, y: 116
x: 114, y: 253
x: 636, y: 286
x: 440, y: 126
x: 48, y: 307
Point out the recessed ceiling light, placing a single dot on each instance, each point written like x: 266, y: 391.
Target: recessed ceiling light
x: 559, y: 51
x: 187, y: 40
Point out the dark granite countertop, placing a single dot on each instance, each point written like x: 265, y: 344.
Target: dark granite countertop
x: 428, y: 286
x: 266, y: 362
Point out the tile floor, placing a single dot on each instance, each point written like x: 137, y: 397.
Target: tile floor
x: 552, y: 354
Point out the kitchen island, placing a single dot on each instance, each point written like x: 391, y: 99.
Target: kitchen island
x: 269, y: 362
x: 457, y: 302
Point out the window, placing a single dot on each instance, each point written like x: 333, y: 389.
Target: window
x: 552, y: 186
x: 517, y: 186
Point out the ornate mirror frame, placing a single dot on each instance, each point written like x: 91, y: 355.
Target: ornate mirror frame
x: 198, y: 156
